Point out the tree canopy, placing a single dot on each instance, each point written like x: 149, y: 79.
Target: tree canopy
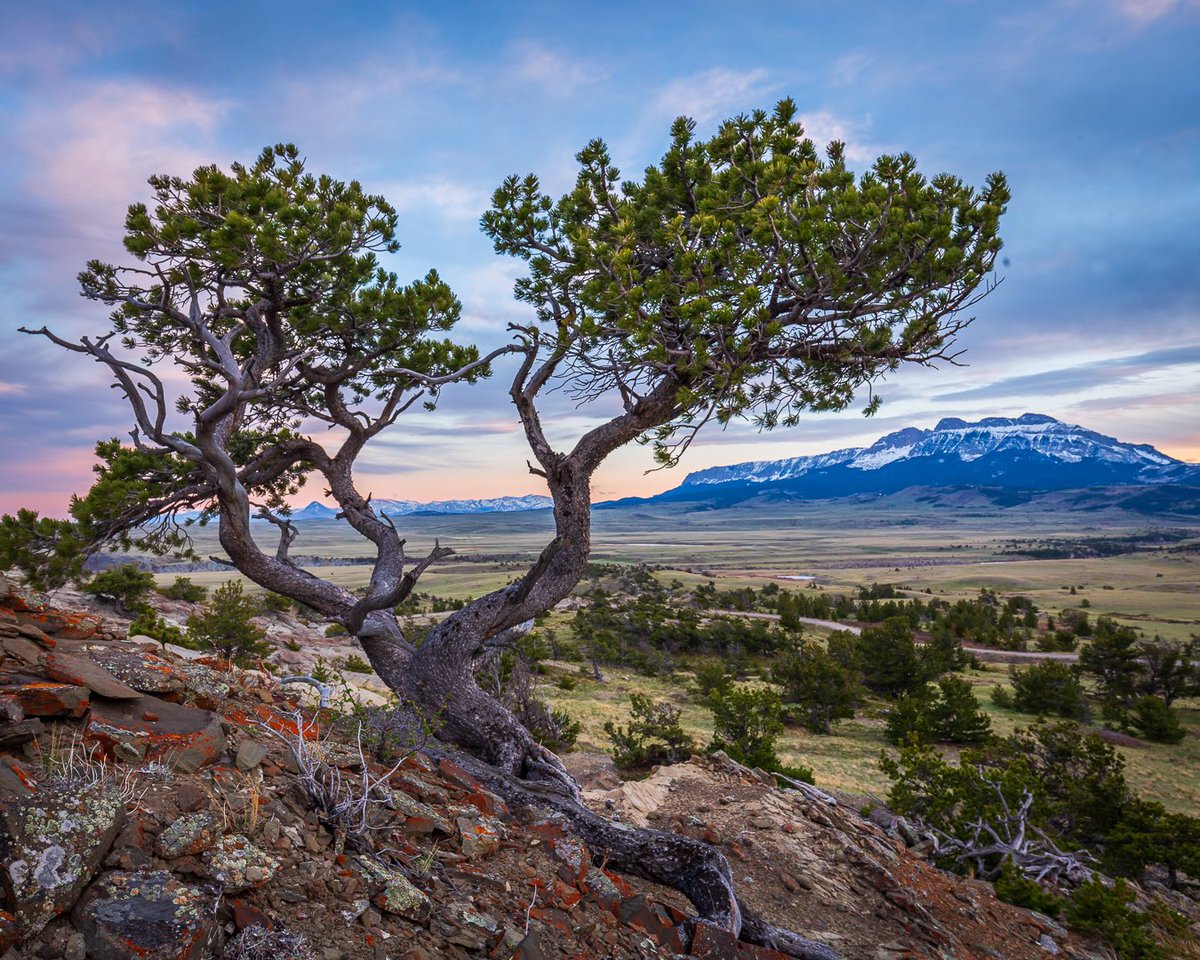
x: 743, y: 276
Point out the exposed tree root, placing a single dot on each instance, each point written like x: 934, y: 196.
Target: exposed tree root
x: 695, y: 869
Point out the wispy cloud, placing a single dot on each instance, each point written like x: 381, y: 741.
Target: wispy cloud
x: 90, y: 150
x: 551, y: 73
x: 449, y: 199
x: 1143, y: 12
x: 824, y: 127
x: 712, y: 94
x: 1080, y: 376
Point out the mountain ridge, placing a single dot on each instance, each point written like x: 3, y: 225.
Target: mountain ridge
x: 316, y: 510
x: 1030, y: 452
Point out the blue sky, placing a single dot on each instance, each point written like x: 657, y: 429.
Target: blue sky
x: 1092, y: 109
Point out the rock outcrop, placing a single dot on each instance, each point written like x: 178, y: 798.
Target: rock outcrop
x: 162, y: 814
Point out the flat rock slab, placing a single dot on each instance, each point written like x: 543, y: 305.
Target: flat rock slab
x: 51, y: 843
x: 150, y: 914
x: 142, y: 671
x: 21, y: 649
x: 45, y: 698
x: 187, y: 737
x: 64, y: 626
x: 86, y: 673
x: 13, y: 735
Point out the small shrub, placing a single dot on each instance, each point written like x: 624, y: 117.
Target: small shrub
x: 335, y: 630
x: 1156, y: 721
x: 803, y: 774
x: 1104, y: 912
x: 567, y: 682
x: 746, y: 724
x: 1051, y: 688
x: 276, y: 602
x: 822, y: 690
x: 225, y: 625
x: 183, y: 589
x: 1014, y: 887
x: 945, y: 711
x: 356, y: 664
x: 125, y: 587
x: 653, y: 735
x: 148, y: 625
x: 711, y: 677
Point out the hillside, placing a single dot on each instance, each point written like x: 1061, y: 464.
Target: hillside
x: 161, y: 806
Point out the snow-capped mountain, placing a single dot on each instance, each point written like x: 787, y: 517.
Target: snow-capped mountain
x: 1030, y: 452
x: 400, y: 508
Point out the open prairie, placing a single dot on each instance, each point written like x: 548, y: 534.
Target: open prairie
x: 841, y: 545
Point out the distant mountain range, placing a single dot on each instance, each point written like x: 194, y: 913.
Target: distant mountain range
x: 404, y: 508
x: 1032, y: 452
x: 1007, y: 458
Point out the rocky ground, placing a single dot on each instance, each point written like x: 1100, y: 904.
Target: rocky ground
x: 168, y: 807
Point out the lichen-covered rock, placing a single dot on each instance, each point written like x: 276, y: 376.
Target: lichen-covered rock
x: 205, y: 683
x: 418, y: 817
x: 43, y: 698
x: 481, y: 836
x: 461, y: 924
x: 10, y: 934
x: 191, y: 834
x: 396, y: 892
x: 52, y: 843
x: 86, y: 673
x: 63, y: 626
x: 403, y: 899
x: 15, y: 781
x: 142, y: 671
x: 21, y: 649
x: 187, y: 737
x: 151, y: 915
x: 238, y: 865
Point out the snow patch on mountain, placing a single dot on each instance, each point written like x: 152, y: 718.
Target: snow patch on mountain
x: 401, y: 508
x: 955, y: 439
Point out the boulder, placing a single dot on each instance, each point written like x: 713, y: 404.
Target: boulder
x: 396, y: 893
x: 480, y: 836
x: 13, y: 735
x: 250, y: 753
x: 191, y: 834
x: 53, y: 842
x: 142, y: 671
x: 86, y: 673
x: 44, y: 698
x: 61, y: 626
x: 148, y: 914
x: 10, y: 709
x: 238, y: 865
x: 15, y: 781
x: 187, y: 737
x: 462, y: 924
x: 21, y: 649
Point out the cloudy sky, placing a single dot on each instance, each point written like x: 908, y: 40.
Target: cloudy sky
x: 1092, y: 109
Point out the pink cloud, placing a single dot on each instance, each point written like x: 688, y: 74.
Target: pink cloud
x: 91, y: 150
x: 1143, y: 12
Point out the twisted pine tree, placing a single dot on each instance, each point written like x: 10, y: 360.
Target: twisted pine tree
x: 744, y: 276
